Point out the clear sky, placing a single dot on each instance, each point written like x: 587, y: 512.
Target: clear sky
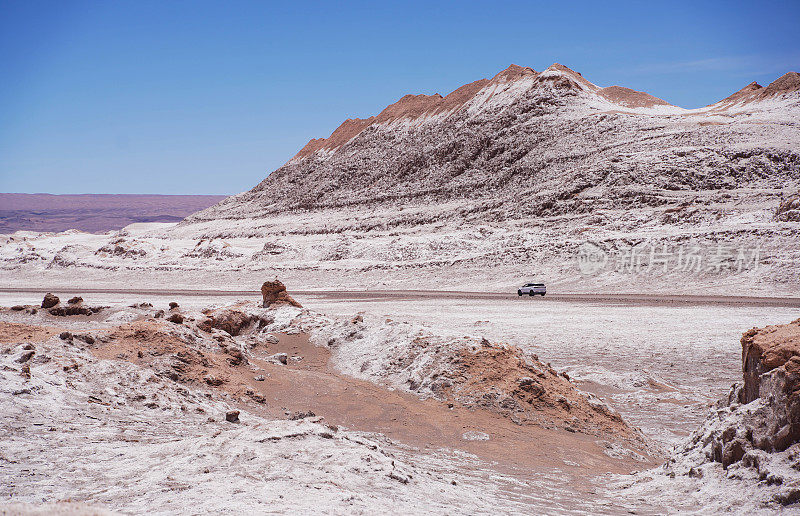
x: 209, y: 97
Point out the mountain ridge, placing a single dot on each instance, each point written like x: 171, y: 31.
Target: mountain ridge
x: 413, y: 106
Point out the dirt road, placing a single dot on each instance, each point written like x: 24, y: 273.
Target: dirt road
x: 364, y: 295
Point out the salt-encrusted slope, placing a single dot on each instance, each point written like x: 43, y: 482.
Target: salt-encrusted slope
x: 552, y: 138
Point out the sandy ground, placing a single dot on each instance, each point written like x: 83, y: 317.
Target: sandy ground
x: 660, y: 364
x: 525, y: 467
x: 660, y: 360
x: 661, y: 375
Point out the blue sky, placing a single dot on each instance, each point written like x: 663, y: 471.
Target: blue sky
x: 209, y: 97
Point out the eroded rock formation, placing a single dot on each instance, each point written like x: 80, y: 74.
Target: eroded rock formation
x: 771, y: 371
x: 50, y: 300
x: 753, y: 433
x: 274, y: 294
x: 231, y: 320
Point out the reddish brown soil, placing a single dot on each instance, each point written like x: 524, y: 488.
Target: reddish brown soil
x: 409, y: 106
x: 312, y: 384
x: 631, y: 98
x: 349, y: 129
x: 754, y: 92
x: 14, y: 332
x: 512, y: 73
x: 744, y: 93
x: 490, y: 377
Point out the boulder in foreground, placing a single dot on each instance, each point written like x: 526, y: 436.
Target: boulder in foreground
x: 274, y: 294
x: 771, y: 371
x: 50, y: 300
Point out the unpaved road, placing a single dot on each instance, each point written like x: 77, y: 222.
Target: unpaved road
x: 363, y: 295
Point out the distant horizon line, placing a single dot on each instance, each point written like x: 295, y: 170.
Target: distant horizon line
x: 117, y: 194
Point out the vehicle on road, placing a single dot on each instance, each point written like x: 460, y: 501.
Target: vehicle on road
x: 532, y: 289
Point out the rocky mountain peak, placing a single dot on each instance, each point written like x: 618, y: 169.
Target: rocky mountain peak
x: 513, y: 73
x: 563, y: 77
x: 786, y: 83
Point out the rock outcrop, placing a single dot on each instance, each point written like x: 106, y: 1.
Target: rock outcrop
x: 762, y: 414
x: 274, y: 294
x: 50, y: 300
x: 503, y: 379
x: 752, y: 433
x: 472, y: 373
x: 789, y: 209
x: 229, y: 320
x: 771, y: 370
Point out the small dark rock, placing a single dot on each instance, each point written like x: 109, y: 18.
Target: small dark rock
x: 49, y: 300
x: 65, y: 335
x: 62, y: 311
x: 18, y: 308
x: 26, y: 371
x: 788, y: 496
x: 28, y: 346
x: 236, y: 356
x: 258, y: 398
x: 301, y: 415
x: 232, y: 416
x: 25, y: 357
x: 783, y: 438
x: 159, y: 314
x: 85, y: 338
x: 173, y: 305
x: 732, y: 452
x: 175, y: 318
x: 75, y: 300
x: 41, y: 359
